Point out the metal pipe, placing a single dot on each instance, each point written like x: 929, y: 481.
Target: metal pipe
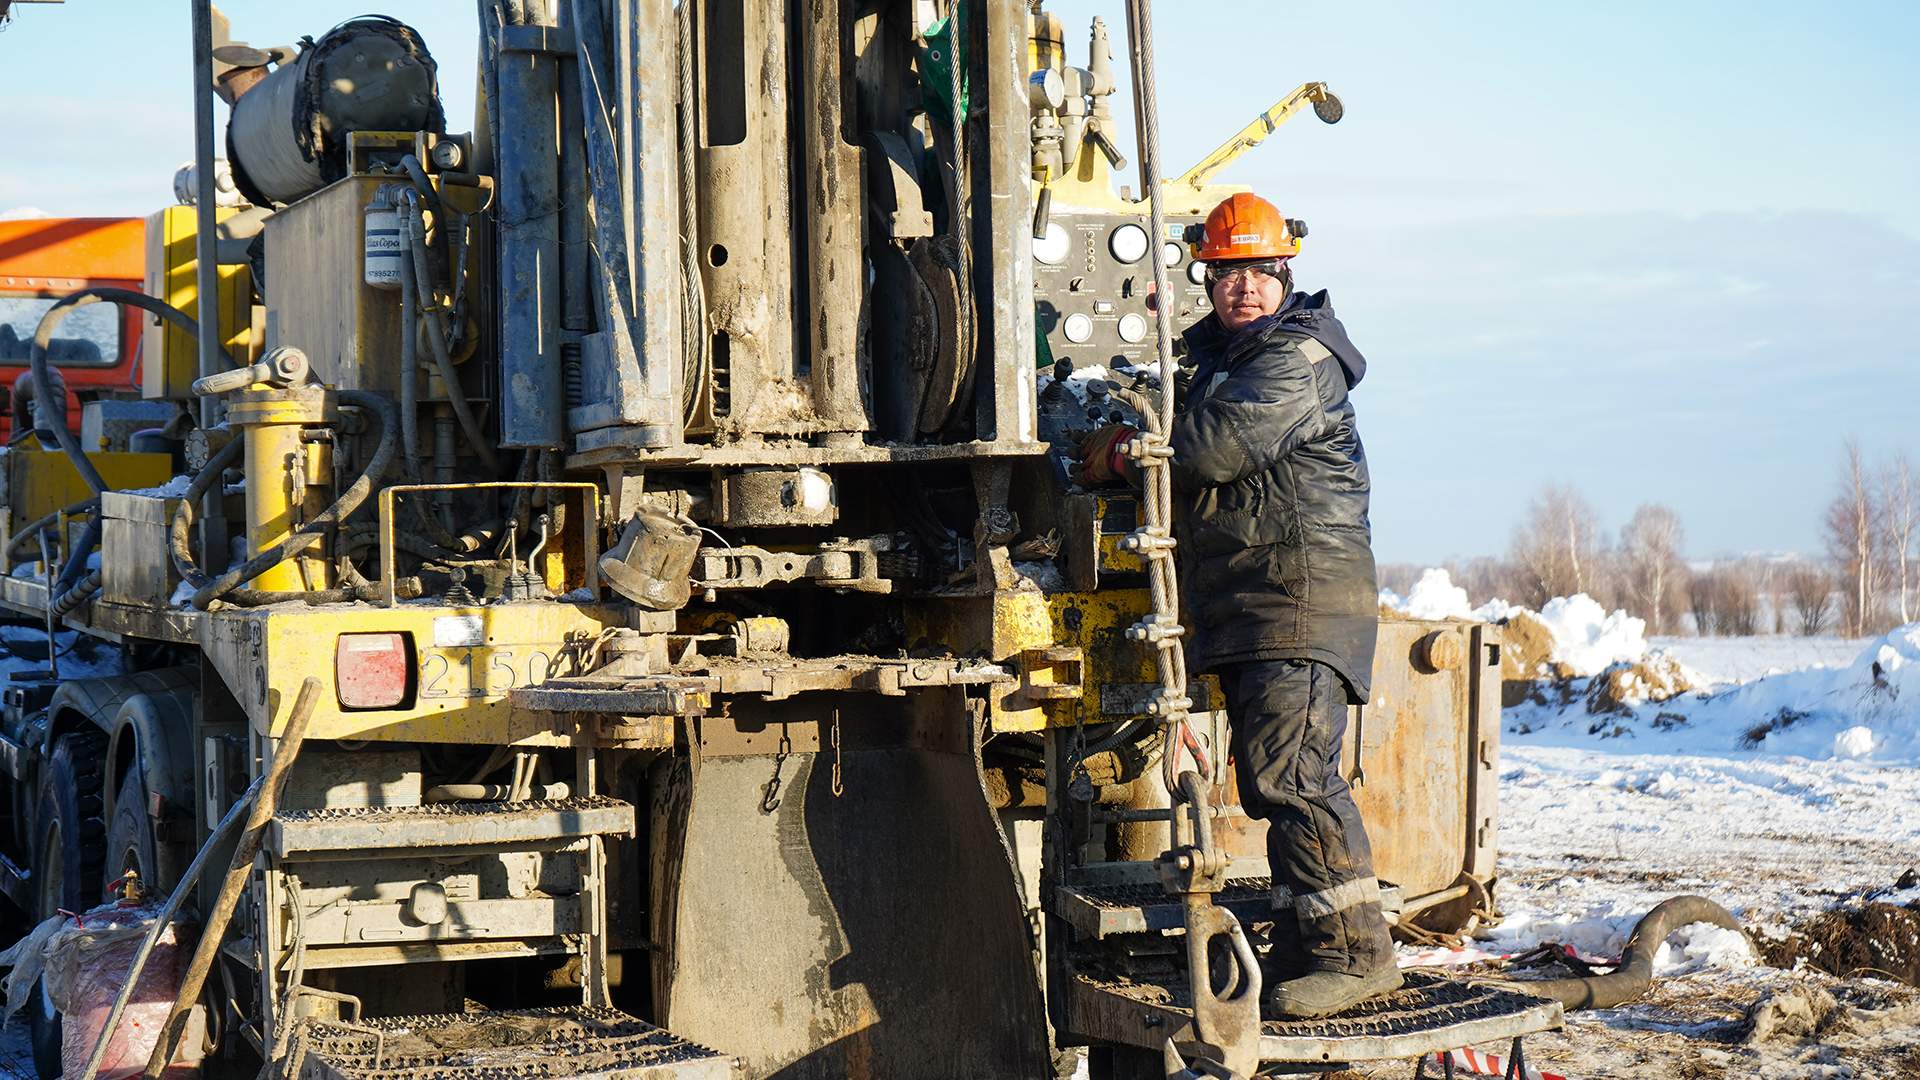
x: 443, y: 458
x: 206, y: 268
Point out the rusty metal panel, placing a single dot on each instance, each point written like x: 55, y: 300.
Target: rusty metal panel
x: 836, y: 936
x: 136, y: 565
x: 1483, y: 793
x: 1414, y: 760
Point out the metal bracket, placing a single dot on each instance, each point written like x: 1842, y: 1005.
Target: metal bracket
x: 553, y: 40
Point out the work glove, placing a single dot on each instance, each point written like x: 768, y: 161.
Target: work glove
x: 1102, y: 460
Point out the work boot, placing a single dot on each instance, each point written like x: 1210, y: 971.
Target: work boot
x: 1323, y: 993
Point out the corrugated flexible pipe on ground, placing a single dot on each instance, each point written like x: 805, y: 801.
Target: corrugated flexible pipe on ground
x: 1635, y: 973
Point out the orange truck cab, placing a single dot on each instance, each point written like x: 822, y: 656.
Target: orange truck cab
x: 96, y: 347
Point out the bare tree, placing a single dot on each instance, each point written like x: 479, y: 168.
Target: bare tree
x: 1556, y: 548
x: 1736, y: 600
x: 1852, y: 527
x: 1812, y: 593
x: 1650, y: 562
x: 1902, y: 516
x: 1703, y: 601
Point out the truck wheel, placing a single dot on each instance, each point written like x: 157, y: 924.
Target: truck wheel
x: 68, y: 854
x: 130, y: 844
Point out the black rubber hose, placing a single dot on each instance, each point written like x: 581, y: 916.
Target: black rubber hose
x: 25, y: 534
x: 227, y: 588
x: 1635, y: 973
x: 55, y: 412
x: 413, y: 230
x: 80, y: 593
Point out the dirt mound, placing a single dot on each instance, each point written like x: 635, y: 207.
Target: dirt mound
x: 1658, y: 677
x: 1875, y: 940
x: 1526, y: 651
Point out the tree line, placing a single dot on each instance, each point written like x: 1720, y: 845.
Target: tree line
x: 1863, y: 583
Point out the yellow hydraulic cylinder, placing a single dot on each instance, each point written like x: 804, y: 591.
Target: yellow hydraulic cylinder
x: 287, y: 479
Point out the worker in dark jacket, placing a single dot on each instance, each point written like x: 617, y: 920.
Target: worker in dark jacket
x: 1276, y: 564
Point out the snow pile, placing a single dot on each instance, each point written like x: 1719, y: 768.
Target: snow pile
x: 1581, y: 638
x: 1435, y: 596
x: 1867, y: 710
x: 1587, y: 639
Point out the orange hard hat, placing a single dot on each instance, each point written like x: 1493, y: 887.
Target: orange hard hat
x: 1247, y: 226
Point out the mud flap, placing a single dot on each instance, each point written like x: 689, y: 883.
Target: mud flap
x: 877, y: 933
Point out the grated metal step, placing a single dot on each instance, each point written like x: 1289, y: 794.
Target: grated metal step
x: 442, y: 825
x: 533, y: 1044
x: 1430, y: 1013
x: 1139, y: 907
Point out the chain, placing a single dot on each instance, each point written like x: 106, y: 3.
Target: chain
x: 839, y: 788
x: 771, y: 800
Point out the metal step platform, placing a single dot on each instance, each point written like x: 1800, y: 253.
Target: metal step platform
x: 1431, y: 1013
x: 360, y: 829
x: 1104, y: 910
x: 533, y: 1044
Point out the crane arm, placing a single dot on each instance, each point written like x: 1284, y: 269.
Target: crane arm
x: 1325, y: 105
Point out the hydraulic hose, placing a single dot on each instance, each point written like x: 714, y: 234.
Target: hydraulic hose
x: 81, y: 592
x: 413, y: 229
x: 227, y: 587
x: 26, y: 533
x: 1635, y: 973
x: 55, y: 412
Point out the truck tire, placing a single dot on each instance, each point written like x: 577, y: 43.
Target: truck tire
x: 130, y: 842
x: 69, y: 851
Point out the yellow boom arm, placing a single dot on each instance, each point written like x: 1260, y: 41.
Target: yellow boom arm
x: 1325, y: 106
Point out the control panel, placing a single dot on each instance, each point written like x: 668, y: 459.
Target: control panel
x: 1093, y: 284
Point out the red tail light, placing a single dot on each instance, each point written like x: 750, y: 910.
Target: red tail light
x: 372, y: 671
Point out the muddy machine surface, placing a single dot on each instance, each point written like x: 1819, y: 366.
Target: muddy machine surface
x: 722, y: 671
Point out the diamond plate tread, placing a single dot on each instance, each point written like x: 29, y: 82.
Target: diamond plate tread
x: 1429, y: 1013
x: 440, y: 825
x: 531, y: 1044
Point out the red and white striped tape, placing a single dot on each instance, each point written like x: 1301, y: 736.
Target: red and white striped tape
x: 1485, y: 1064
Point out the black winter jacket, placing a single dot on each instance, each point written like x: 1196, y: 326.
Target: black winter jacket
x: 1270, y: 493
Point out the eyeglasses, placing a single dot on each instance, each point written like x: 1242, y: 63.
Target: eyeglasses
x: 1260, y: 272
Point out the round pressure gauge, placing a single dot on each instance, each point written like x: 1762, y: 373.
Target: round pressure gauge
x: 1079, y: 329
x: 1133, y: 328
x: 1197, y: 272
x: 1052, y: 248
x: 1129, y: 243
x: 1171, y: 254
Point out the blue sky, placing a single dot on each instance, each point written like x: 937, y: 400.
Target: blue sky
x: 1661, y: 251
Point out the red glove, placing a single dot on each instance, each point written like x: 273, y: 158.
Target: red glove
x: 1101, y: 458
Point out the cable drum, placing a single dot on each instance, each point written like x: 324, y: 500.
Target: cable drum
x: 288, y: 135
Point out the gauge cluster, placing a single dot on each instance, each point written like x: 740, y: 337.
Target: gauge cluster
x: 1093, y: 283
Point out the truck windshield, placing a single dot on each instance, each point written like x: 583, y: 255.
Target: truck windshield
x: 87, y: 337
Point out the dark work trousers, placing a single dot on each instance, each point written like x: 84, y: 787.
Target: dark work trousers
x: 1287, y: 719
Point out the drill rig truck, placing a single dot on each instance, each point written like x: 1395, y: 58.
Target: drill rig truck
x: 638, y: 540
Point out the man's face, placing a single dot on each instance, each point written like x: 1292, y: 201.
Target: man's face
x: 1245, y: 291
